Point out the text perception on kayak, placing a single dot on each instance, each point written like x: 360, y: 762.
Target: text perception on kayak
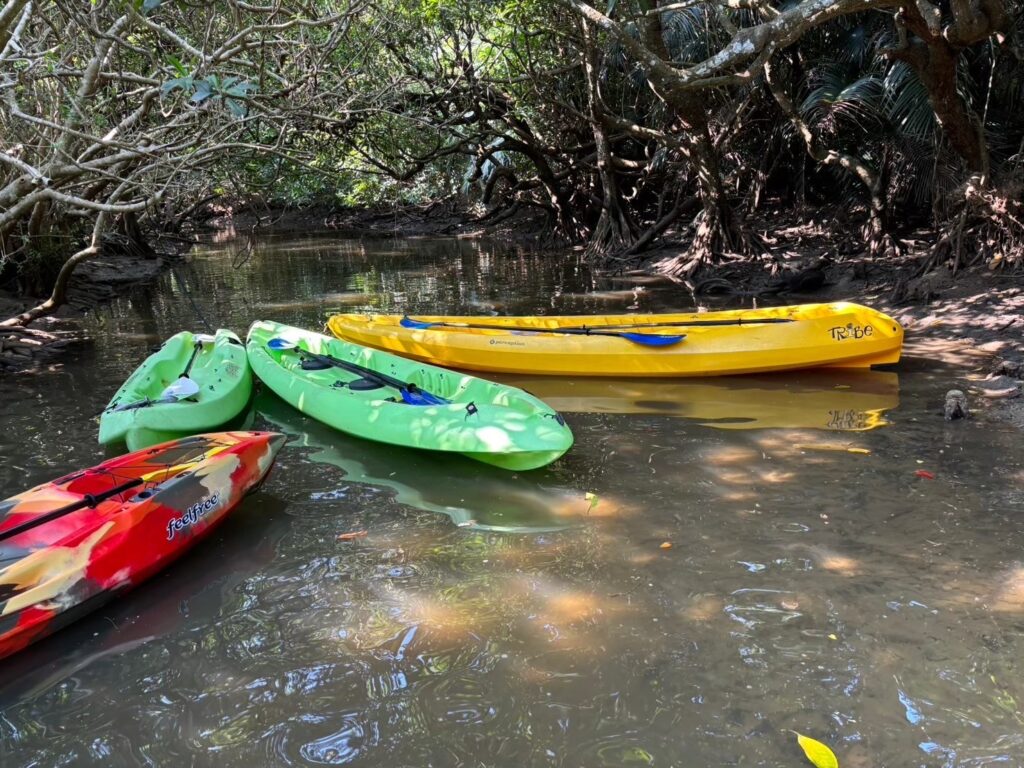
x: 192, y: 515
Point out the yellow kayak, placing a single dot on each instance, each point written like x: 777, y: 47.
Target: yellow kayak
x: 706, y: 344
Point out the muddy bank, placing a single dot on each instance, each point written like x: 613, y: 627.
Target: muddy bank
x: 94, y: 283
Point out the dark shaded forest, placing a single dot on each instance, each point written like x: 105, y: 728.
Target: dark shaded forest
x: 607, y: 126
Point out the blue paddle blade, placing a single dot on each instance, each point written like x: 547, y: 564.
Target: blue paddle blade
x: 419, y: 397
x: 407, y: 322
x: 281, y: 344
x: 651, y: 339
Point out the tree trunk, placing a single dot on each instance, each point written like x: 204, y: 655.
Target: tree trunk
x: 59, y: 294
x: 717, y: 229
x: 932, y: 50
x: 613, y: 232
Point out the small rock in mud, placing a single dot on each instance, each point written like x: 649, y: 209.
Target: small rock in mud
x: 956, y: 405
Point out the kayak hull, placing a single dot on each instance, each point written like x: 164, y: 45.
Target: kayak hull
x: 221, y: 369
x: 57, y: 571
x: 492, y: 423
x: 794, y: 337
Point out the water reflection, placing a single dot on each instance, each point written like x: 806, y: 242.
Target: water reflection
x: 472, y: 497
x: 844, y: 401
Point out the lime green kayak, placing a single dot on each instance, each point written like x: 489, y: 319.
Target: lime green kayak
x: 193, y: 383
x: 379, y: 396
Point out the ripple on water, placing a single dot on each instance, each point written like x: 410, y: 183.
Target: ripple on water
x: 350, y: 738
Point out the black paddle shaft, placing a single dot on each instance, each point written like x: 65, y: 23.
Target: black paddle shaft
x: 85, y: 501
x: 693, y: 323
x: 595, y: 330
x: 195, y: 352
x: 368, y: 373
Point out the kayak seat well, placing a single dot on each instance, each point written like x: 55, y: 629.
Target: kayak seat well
x: 358, y: 385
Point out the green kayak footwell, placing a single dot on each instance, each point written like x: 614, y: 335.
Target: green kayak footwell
x: 220, y: 369
x: 493, y: 423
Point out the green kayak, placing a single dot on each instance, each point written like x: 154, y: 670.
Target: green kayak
x: 193, y: 383
x: 379, y: 396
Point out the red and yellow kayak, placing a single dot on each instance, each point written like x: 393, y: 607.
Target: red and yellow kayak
x: 697, y: 344
x: 71, y: 544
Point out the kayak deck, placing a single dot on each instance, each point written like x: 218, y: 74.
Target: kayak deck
x: 707, y: 344
x: 489, y: 422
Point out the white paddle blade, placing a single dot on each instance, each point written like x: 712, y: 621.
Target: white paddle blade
x: 179, y: 390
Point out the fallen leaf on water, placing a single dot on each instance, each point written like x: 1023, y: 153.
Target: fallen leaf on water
x: 351, y: 535
x: 925, y: 474
x: 666, y: 545
x: 819, y: 754
x: 593, y: 499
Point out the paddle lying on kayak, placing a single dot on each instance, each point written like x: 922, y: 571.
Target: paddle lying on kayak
x: 652, y: 322
x: 382, y: 397
x: 69, y: 545
x: 647, y: 339
x: 411, y: 394
x: 182, y: 389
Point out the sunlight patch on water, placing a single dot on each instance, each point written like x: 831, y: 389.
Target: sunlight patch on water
x: 726, y: 455
x: 1009, y: 597
x: 776, y: 476
x: 703, y: 608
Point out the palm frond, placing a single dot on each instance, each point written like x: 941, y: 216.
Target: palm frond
x: 835, y: 99
x: 905, y: 103
x: 690, y: 34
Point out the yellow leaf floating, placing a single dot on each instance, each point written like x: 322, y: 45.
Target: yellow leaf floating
x: 819, y: 754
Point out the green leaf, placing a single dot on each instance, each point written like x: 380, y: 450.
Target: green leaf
x: 242, y: 89
x: 179, y: 68
x: 819, y: 754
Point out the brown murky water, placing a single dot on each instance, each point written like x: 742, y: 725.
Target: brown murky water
x: 715, y: 562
